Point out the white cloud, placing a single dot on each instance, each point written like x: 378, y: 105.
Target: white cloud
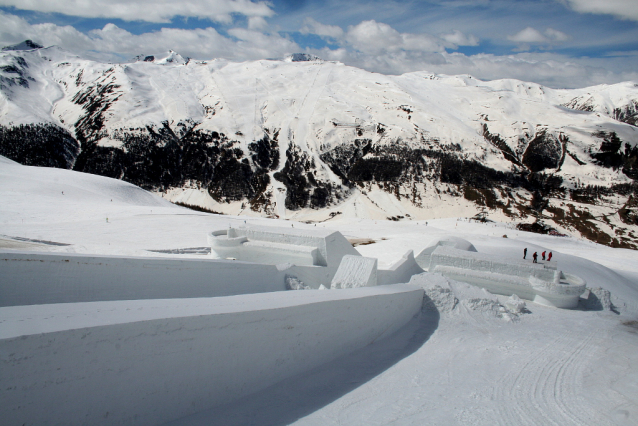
x: 459, y: 39
x: 531, y: 36
x: 553, y: 70
x: 528, y: 35
x: 115, y: 44
x: 374, y: 38
x: 388, y: 52
x: 556, y: 36
x: 147, y: 10
x: 257, y: 23
x: 313, y: 27
x: 624, y: 9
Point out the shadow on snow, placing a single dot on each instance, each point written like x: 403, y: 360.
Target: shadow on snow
x: 303, y: 394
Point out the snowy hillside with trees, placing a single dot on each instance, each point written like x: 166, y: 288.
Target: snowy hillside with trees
x: 307, y: 139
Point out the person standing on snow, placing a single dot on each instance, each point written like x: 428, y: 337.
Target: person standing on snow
x: 524, y: 252
x: 543, y: 254
x: 535, y: 256
x: 549, y: 257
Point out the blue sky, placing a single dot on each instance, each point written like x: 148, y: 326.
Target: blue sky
x: 560, y: 43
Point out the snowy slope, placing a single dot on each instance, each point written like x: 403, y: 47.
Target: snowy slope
x: 465, y: 363
x: 311, y: 139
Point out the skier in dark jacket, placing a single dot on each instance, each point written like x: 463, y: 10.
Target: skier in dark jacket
x: 525, y: 253
x: 535, y: 256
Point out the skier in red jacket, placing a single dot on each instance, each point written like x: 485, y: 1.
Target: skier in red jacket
x: 543, y: 254
x: 535, y: 256
x: 549, y: 257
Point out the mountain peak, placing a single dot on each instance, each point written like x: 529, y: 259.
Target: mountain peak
x: 172, y: 58
x: 25, y: 45
x: 302, y: 57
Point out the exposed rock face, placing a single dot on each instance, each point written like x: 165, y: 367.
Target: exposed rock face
x: 14, y: 73
x: 544, y: 152
x: 303, y: 133
x: 25, y: 45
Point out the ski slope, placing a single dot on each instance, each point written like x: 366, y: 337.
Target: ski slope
x: 467, y: 362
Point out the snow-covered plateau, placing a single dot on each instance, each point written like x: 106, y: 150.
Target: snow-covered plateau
x: 308, y: 357
x: 309, y: 140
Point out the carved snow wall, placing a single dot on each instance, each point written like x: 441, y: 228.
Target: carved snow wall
x: 150, y: 361
x: 541, y: 283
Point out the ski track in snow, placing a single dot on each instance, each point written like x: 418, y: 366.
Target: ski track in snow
x: 544, y: 391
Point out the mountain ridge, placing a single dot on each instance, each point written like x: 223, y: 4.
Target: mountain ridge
x: 309, y: 139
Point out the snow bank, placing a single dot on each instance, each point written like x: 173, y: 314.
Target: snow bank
x: 438, y: 295
x: 150, y: 361
x: 37, y: 278
x: 445, y: 296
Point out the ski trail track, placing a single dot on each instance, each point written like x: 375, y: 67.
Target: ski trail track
x: 166, y: 85
x: 309, y: 103
x: 295, y: 128
x: 545, y: 390
x: 240, y: 104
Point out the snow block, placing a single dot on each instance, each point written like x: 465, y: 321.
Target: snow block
x: 423, y: 258
x: 145, y: 362
x: 355, y: 271
x: 38, y: 278
x: 401, y: 272
x: 264, y: 244
x: 314, y: 254
x: 562, y: 293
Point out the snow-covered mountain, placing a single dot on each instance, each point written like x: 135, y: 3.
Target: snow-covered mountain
x: 309, y: 139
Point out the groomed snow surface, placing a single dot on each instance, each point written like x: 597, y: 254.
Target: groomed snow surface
x: 468, y: 357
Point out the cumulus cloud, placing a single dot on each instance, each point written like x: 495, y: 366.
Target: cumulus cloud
x: 549, y: 69
x: 624, y: 9
x: 147, y: 10
x: 369, y: 45
x: 115, y: 44
x: 375, y: 38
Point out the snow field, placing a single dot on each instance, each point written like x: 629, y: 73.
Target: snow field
x: 473, y: 359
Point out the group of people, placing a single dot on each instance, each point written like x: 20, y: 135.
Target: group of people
x: 535, y: 255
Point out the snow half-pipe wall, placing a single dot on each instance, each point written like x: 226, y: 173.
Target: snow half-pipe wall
x: 36, y: 278
x: 145, y: 362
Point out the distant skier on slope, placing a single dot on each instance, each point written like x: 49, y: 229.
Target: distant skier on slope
x: 535, y: 256
x: 524, y: 252
x: 549, y: 257
x: 543, y: 254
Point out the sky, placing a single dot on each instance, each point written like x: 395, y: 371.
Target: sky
x: 558, y: 43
